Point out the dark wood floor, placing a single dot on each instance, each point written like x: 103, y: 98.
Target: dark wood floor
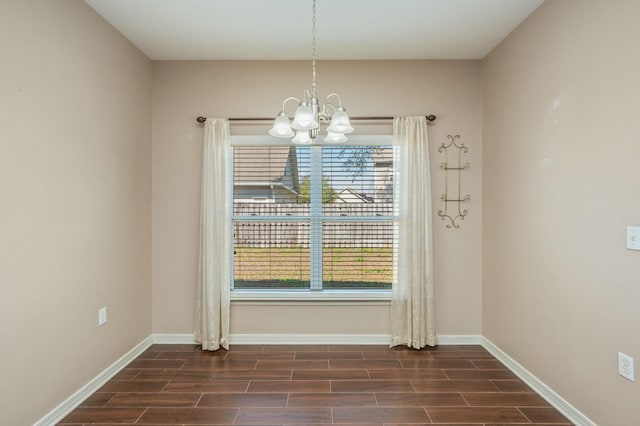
x: 315, y: 384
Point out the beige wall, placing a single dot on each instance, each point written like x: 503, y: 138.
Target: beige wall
x: 557, y: 106
x: 561, y: 183
x: 75, y: 169
x: 184, y: 90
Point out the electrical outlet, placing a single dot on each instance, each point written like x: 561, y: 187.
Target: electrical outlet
x: 102, y: 316
x: 633, y: 238
x: 625, y: 366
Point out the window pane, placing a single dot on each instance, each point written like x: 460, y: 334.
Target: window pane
x: 271, y: 255
x: 358, y: 180
x: 357, y: 255
x: 277, y: 210
x: 267, y: 180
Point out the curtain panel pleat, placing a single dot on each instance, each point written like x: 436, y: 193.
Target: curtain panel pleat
x: 213, y: 286
x: 412, y: 303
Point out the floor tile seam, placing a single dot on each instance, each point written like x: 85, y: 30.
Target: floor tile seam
x: 140, y: 416
x: 198, y: 401
x: 163, y: 387
x: 235, y: 417
x: 428, y: 406
x: 507, y: 406
x: 525, y: 415
x: 412, y: 386
x: 428, y: 415
x: 465, y: 399
x: 507, y: 394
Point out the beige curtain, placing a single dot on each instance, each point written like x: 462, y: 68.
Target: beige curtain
x: 412, y: 310
x: 212, y: 297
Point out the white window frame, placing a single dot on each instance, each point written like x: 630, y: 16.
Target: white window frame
x: 373, y: 296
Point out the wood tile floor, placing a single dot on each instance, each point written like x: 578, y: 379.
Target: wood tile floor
x: 315, y: 384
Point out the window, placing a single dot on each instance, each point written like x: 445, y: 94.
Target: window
x: 314, y: 217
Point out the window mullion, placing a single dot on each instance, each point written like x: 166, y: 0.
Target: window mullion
x: 315, y: 242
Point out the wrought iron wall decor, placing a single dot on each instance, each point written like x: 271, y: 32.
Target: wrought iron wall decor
x: 456, y: 198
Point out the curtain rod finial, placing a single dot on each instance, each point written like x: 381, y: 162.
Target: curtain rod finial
x: 201, y: 119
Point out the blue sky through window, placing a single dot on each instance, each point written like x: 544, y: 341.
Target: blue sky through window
x: 359, y: 177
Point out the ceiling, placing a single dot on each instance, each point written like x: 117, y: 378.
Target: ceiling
x: 346, y: 29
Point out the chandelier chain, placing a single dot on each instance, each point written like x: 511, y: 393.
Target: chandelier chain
x: 313, y: 50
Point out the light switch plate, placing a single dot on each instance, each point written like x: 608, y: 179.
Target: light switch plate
x: 102, y: 316
x: 633, y: 237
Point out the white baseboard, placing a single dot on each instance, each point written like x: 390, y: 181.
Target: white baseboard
x: 459, y: 339
x: 309, y: 339
x: 173, y: 339
x: 312, y: 339
x: 69, y: 404
x: 568, y: 410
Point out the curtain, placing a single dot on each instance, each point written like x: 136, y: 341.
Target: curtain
x: 213, y: 292
x: 412, y: 310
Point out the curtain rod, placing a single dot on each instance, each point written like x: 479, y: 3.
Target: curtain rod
x: 202, y: 119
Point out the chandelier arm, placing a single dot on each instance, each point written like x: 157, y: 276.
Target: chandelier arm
x: 291, y: 98
x: 306, y: 96
x: 326, y: 99
x: 327, y: 111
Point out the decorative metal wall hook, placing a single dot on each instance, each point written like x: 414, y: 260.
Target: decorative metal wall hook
x: 460, y: 212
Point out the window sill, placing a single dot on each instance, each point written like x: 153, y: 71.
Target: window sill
x: 325, y: 297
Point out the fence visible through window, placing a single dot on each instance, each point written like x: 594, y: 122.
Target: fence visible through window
x: 274, y: 254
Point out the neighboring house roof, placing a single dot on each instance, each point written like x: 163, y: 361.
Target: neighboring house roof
x: 348, y: 195
x: 260, y: 164
x: 266, y: 166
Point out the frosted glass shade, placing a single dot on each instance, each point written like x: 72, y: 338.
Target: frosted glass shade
x: 304, y: 119
x: 335, y: 138
x: 281, y: 127
x: 340, y: 122
x: 302, y: 138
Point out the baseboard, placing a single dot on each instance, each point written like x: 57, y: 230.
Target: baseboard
x: 69, y: 404
x: 309, y: 339
x: 459, y: 339
x: 312, y: 339
x: 173, y: 339
x: 568, y: 410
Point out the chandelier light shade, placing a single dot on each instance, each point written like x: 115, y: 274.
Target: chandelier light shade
x: 305, y: 118
x: 340, y: 122
x: 335, y: 137
x: 281, y: 127
x: 302, y: 137
x: 310, y: 114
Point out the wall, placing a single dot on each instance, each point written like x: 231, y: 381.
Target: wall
x: 561, y: 183
x: 184, y: 90
x: 75, y: 110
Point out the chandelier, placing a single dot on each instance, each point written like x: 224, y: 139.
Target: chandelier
x: 310, y: 114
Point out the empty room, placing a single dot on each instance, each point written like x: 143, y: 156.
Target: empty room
x: 319, y: 212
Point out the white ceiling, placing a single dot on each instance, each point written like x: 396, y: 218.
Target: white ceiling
x: 346, y: 29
